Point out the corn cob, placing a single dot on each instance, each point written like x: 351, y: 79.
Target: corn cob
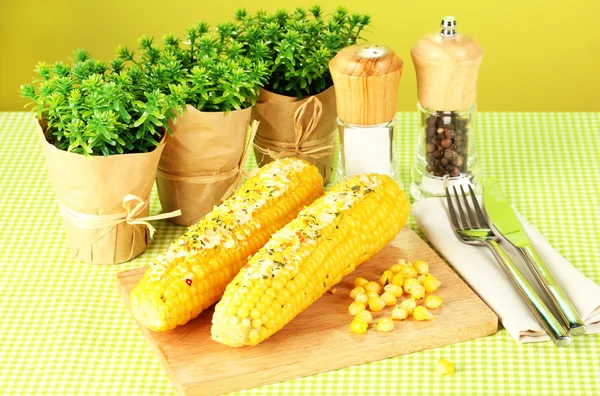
x: 312, y: 253
x: 197, y: 267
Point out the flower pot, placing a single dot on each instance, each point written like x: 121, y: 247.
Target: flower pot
x: 104, y: 201
x: 297, y: 128
x: 201, y: 161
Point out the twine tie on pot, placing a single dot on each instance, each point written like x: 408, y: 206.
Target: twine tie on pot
x: 130, y: 216
x: 236, y: 172
x: 302, y: 146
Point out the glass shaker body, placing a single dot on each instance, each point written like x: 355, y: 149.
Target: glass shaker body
x: 446, y: 155
x: 367, y: 149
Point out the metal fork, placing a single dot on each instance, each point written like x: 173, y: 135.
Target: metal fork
x: 471, y: 227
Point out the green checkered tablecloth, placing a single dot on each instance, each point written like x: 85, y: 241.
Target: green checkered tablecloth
x: 64, y: 329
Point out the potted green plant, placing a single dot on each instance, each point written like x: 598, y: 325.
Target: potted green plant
x: 102, y: 130
x: 202, y: 160
x: 296, y: 109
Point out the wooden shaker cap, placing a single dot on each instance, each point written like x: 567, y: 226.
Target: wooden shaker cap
x: 447, y: 69
x: 366, y: 78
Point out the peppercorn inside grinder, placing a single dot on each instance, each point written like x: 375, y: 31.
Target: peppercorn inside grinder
x: 366, y: 78
x: 447, y: 64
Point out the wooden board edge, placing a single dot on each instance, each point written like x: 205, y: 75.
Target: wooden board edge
x: 217, y: 387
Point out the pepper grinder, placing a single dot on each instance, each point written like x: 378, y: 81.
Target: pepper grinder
x: 366, y: 78
x: 447, y: 65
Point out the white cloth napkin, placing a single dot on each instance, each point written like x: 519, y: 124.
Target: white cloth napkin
x: 479, y: 269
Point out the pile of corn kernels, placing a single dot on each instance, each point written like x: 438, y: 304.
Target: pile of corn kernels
x: 406, y: 281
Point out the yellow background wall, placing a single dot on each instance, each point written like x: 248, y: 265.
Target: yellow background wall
x: 540, y: 55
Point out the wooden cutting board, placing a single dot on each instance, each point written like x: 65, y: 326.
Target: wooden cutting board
x: 318, y: 339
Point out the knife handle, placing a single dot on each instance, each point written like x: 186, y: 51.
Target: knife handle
x: 553, y: 291
x: 536, y: 305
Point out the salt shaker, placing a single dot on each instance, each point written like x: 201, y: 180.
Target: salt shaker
x: 366, y: 78
x: 447, y: 65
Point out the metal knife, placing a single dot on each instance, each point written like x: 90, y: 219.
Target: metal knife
x: 506, y: 222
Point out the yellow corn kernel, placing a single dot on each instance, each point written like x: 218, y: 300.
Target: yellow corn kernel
x: 376, y: 304
x: 398, y: 267
x: 421, y: 266
x: 399, y: 313
x: 408, y: 272
x: 362, y: 298
x: 354, y: 292
x: 417, y: 292
x: 384, y: 325
x: 358, y: 326
x: 195, y: 270
x: 360, y: 282
x: 388, y: 298
x: 398, y: 280
x: 374, y: 287
x: 356, y: 307
x: 394, y: 289
x: 433, y: 301
x: 431, y: 283
x: 372, y: 294
x: 365, y: 316
x: 410, y: 283
x: 443, y: 367
x: 312, y: 253
x: 409, y: 305
x: 422, y: 278
x: 386, y: 278
x: 421, y: 313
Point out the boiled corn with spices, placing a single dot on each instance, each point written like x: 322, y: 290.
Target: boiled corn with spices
x: 327, y: 241
x: 197, y: 267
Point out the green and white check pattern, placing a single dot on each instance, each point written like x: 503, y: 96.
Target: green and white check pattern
x: 64, y: 329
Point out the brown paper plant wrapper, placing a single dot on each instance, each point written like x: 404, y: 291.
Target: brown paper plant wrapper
x: 297, y: 128
x: 104, y: 201
x: 202, y: 162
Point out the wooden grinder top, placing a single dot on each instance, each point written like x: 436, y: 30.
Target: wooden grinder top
x: 366, y: 78
x: 447, y: 65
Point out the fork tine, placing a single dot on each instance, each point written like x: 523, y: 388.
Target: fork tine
x: 463, y: 216
x: 482, y: 220
x: 468, y: 209
x: 452, y: 210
